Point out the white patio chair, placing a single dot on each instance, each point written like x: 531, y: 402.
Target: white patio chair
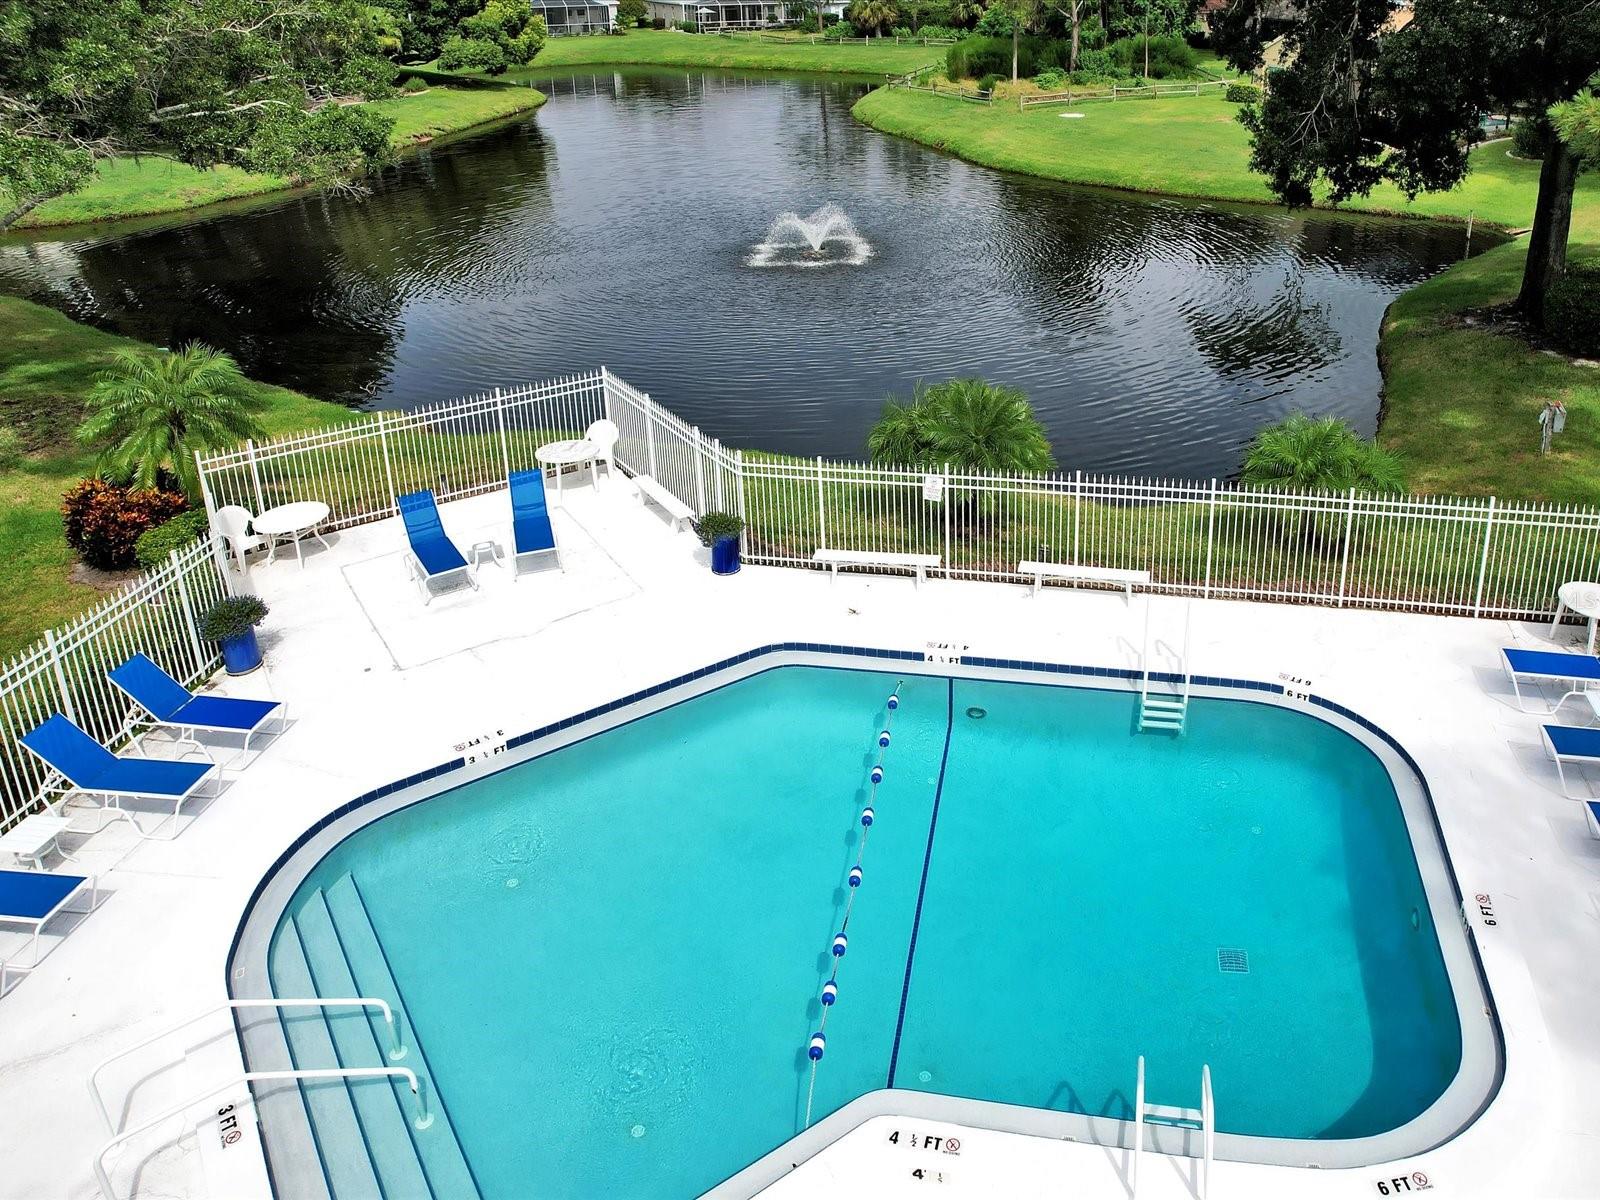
x: 233, y: 521
x: 603, y: 435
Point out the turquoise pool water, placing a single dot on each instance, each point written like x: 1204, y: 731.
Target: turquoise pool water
x: 611, y: 955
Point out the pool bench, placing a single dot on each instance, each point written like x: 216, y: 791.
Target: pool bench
x: 1072, y: 573
x: 652, y: 492
x: 920, y: 564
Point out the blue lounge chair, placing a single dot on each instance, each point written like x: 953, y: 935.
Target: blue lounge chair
x: 433, y: 555
x: 89, y: 768
x: 33, y: 898
x: 531, y: 532
x: 170, y: 705
x: 1579, y: 671
x: 1572, y: 744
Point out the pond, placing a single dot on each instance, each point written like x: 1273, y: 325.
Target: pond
x: 627, y: 222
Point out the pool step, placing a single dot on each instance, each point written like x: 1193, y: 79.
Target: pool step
x: 364, y: 1129
x: 440, y: 1153
x: 1158, y: 712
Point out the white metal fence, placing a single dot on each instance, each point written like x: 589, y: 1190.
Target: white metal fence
x: 66, y: 671
x: 1474, y: 557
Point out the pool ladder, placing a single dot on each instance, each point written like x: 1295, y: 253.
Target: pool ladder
x: 1203, y: 1119
x: 1167, y: 712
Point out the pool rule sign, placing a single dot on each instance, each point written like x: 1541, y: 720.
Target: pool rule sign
x: 932, y: 1153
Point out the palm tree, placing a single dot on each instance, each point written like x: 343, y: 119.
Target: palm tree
x: 1308, y: 454
x: 152, y: 412
x: 963, y: 423
x: 872, y: 16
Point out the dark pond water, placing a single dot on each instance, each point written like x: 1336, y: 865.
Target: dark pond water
x: 618, y: 226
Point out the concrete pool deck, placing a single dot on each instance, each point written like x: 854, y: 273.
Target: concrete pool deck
x: 381, y: 687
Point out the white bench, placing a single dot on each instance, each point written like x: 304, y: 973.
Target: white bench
x: 651, y: 491
x: 920, y: 563
x: 1072, y: 573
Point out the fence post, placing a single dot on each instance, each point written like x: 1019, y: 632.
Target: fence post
x: 716, y: 468
x: 500, y: 415
x: 744, y: 508
x: 200, y: 658
x: 945, y: 492
x: 219, y: 549
x: 61, y: 676
x: 1077, y: 512
x: 255, y: 474
x: 1211, y: 535
x: 650, y: 433
x: 822, y: 525
x: 388, y: 471
x: 1483, y: 559
x: 699, y: 470
x: 605, y: 392
x: 1344, y: 551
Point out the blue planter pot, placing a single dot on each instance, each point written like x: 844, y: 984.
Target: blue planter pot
x: 725, y: 556
x: 242, y: 654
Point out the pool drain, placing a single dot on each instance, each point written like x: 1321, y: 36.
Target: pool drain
x: 637, y: 1131
x: 976, y: 713
x: 1232, y: 960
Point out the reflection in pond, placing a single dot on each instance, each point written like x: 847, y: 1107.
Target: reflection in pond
x: 617, y: 225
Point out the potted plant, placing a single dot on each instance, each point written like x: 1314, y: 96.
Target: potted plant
x: 721, y: 531
x: 232, y: 624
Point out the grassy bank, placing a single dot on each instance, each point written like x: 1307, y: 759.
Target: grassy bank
x: 140, y: 187
x: 669, y: 48
x: 1461, y: 402
x: 47, y: 365
x: 1179, y: 146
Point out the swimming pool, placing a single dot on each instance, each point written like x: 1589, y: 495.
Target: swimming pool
x: 609, y: 957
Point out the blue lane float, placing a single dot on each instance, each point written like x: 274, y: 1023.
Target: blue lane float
x: 830, y: 990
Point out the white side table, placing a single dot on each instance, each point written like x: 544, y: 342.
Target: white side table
x: 1582, y: 598
x: 564, y: 454
x: 488, y: 548
x: 33, y: 837
x: 293, y: 522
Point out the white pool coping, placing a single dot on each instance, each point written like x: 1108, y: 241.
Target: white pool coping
x: 154, y: 951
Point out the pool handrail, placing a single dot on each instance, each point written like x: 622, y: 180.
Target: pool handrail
x: 397, y: 1049
x: 424, y: 1118
x: 1204, y: 1117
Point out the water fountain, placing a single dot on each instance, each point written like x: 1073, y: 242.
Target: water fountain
x: 827, y: 238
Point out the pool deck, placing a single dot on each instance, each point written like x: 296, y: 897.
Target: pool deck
x: 380, y: 687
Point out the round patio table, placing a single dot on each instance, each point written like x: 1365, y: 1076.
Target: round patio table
x: 564, y: 454
x: 1582, y: 598
x: 294, y: 522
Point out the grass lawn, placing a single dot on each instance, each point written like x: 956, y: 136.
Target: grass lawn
x: 1180, y: 146
x: 138, y: 187
x: 668, y: 47
x: 47, y: 364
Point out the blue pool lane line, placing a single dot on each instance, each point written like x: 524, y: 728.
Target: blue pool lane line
x: 922, y: 887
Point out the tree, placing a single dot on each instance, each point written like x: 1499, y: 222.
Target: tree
x: 631, y: 12
x: 1306, y: 454
x: 872, y: 16
x: 1359, y: 103
x: 1023, y: 14
x: 962, y: 423
x: 200, y: 81
x: 150, y: 413
x: 503, y: 33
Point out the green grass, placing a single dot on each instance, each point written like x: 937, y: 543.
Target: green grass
x: 139, y: 187
x: 47, y: 364
x: 1177, y: 146
x: 668, y: 47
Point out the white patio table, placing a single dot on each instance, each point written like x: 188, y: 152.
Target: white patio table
x: 1582, y: 598
x: 292, y: 522
x: 559, y: 455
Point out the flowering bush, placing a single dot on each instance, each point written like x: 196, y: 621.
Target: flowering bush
x: 104, y: 520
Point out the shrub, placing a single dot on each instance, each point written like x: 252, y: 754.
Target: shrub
x: 414, y: 84
x: 683, y: 26
x: 1095, y: 64
x: 1169, y: 56
x: 838, y: 32
x: 987, y: 82
x: 963, y: 423
x: 658, y: 22
x: 631, y: 12
x: 619, y: 29
x: 158, y: 542
x: 232, y: 617
x: 1050, y: 79
x: 715, y: 525
x: 104, y: 519
x: 940, y: 31
x: 1530, y: 138
x: 1572, y: 311
x: 976, y: 57
x: 1242, y: 93
x: 470, y: 54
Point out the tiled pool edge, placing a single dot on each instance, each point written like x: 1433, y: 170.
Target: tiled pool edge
x: 1009, y: 1118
